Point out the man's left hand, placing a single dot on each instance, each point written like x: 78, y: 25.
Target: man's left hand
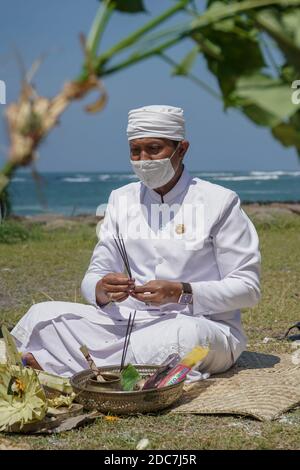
x: 158, y: 292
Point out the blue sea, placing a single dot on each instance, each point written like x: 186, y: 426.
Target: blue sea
x: 78, y: 193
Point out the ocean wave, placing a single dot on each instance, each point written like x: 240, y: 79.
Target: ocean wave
x: 131, y: 176
x: 247, y: 178
x: 18, y: 180
x: 250, y: 191
x: 278, y: 173
x: 117, y: 177
x: 199, y: 173
x: 83, y: 179
x: 104, y: 177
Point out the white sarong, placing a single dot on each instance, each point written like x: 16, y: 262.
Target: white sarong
x: 54, y: 331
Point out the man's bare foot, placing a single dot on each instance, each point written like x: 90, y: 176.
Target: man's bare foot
x: 30, y: 361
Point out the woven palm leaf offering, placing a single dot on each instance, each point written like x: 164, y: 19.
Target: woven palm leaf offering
x: 31, y: 400
x: 134, y: 388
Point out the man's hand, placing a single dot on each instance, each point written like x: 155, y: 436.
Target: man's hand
x: 158, y: 292
x: 114, y: 287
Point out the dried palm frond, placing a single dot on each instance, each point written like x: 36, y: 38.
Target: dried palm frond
x: 33, y: 116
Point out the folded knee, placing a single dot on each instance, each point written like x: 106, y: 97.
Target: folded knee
x: 196, y: 331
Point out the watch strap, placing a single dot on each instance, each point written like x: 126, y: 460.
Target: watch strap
x: 186, y: 288
x: 186, y: 296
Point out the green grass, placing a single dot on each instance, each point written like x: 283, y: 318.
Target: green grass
x: 14, y: 232
x: 51, y: 264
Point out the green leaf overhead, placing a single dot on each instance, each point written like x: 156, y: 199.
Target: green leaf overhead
x: 234, y: 51
x: 128, y: 6
x: 252, y: 48
x: 258, y: 115
x: 288, y: 133
x: 284, y: 29
x: 272, y: 95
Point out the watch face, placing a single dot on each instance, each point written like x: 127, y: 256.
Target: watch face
x: 186, y: 298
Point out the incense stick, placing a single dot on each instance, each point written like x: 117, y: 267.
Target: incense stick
x: 124, y: 346
x: 121, y: 247
x: 122, y: 250
x: 127, y: 339
x: 126, y: 257
x: 91, y: 363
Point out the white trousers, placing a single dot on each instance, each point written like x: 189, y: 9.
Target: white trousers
x: 54, y: 331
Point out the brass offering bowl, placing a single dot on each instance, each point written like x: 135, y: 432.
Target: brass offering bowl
x: 116, y: 401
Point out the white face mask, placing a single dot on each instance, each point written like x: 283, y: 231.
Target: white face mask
x: 154, y: 173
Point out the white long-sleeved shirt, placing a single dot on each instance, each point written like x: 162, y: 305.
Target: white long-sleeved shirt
x: 198, y: 234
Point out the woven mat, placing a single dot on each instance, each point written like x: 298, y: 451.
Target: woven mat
x: 262, y: 386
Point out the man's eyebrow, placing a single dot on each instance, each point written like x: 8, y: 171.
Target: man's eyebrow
x: 149, y: 144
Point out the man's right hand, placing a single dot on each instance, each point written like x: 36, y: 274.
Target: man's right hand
x: 114, y: 287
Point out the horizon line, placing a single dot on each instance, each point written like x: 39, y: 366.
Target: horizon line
x: 132, y: 173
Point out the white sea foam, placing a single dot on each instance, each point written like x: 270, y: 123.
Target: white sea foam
x: 83, y: 179
x: 129, y: 177
x: 104, y: 177
x: 213, y: 174
x: 246, y: 178
x: 278, y: 173
x: 18, y: 180
x: 117, y: 177
x: 250, y: 191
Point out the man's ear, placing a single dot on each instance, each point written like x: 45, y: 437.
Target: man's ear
x: 183, y: 148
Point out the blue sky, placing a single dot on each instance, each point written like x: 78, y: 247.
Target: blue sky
x: 219, y: 141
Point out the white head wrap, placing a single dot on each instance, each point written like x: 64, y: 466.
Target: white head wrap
x: 156, y: 121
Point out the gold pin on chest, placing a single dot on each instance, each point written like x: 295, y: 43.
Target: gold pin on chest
x: 180, y: 229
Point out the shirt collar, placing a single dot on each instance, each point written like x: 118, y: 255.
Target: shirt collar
x: 179, y: 187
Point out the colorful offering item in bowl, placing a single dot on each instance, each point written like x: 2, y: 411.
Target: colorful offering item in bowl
x: 179, y: 371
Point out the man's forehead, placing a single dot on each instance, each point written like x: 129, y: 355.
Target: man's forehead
x: 149, y: 140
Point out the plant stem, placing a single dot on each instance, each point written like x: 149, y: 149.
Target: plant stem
x: 204, y: 20
x: 132, y: 38
x: 192, y: 77
x: 286, y: 44
x: 103, y: 15
x: 137, y: 57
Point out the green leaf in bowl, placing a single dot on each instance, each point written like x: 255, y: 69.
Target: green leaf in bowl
x: 129, y: 378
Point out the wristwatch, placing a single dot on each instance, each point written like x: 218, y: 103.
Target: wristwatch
x: 186, y: 296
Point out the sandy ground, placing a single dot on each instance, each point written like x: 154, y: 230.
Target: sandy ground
x: 5, y: 444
